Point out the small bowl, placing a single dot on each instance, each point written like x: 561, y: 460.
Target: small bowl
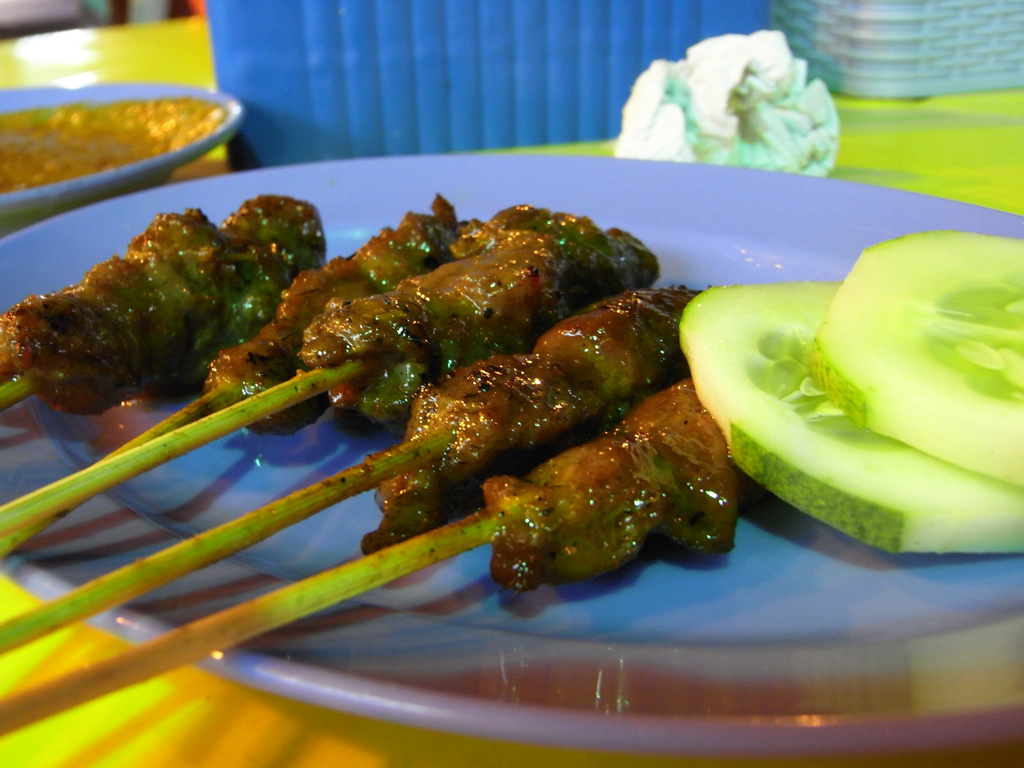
x: 25, y: 206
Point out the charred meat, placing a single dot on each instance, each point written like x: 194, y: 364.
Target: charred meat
x: 421, y: 242
x: 665, y: 468
x: 517, y: 283
x: 152, y: 321
x: 511, y: 411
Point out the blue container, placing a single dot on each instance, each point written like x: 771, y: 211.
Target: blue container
x: 326, y: 79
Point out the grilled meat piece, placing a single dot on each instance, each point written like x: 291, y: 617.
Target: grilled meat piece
x: 584, y: 374
x: 421, y: 243
x: 598, y: 257
x: 152, y: 321
x: 665, y: 468
x: 517, y: 284
x: 285, y: 225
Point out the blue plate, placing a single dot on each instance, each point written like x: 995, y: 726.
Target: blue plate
x: 801, y: 640
x: 17, y: 209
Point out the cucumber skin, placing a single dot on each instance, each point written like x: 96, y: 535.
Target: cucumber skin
x: 887, y: 494
x: 840, y: 391
x: 874, y: 524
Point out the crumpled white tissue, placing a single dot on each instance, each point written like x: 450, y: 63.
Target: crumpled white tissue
x: 734, y: 100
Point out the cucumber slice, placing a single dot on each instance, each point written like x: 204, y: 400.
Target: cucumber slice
x: 924, y: 342
x: 749, y: 351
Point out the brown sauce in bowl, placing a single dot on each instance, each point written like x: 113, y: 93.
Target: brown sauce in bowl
x: 49, y: 144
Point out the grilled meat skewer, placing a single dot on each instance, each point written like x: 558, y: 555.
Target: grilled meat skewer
x: 582, y: 376
x: 666, y: 468
x: 518, y: 274
x: 152, y: 321
x: 420, y: 244
x: 505, y: 408
x: 379, y: 349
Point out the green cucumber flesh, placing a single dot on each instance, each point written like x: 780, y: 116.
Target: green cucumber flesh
x: 924, y: 342
x: 749, y: 349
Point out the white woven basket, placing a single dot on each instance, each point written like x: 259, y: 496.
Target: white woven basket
x: 907, y: 48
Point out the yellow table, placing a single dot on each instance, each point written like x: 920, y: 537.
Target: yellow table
x: 968, y: 147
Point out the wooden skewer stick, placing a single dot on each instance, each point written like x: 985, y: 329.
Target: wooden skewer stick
x: 11, y: 541
x: 204, y: 405
x: 210, y: 546
x: 55, y: 499
x: 14, y: 391
x: 220, y: 631
x: 201, y: 407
